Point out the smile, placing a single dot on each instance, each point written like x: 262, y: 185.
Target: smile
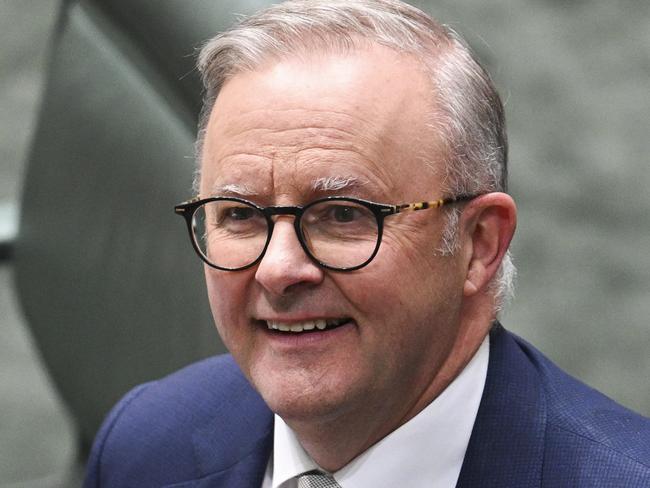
x: 305, y: 326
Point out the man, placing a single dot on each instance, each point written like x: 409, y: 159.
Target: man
x: 353, y: 220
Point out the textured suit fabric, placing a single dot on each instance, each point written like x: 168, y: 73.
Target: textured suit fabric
x: 204, y: 426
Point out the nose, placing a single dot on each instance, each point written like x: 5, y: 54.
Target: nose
x: 285, y: 264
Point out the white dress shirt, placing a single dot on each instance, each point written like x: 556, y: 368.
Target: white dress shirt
x: 427, y: 451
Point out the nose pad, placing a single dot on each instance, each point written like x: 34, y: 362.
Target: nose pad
x: 285, y: 263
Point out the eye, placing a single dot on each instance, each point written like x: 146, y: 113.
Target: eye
x: 232, y: 215
x: 238, y: 213
x: 344, y: 213
x: 341, y: 213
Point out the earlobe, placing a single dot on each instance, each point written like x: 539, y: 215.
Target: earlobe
x: 469, y: 287
x: 474, y: 278
x: 490, y: 222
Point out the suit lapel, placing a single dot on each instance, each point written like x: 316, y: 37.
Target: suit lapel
x: 233, y: 449
x: 247, y: 472
x: 507, y: 443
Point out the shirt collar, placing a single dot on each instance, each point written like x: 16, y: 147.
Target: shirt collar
x: 289, y: 458
x: 428, y: 450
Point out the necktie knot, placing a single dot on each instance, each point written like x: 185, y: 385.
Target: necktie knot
x: 317, y: 479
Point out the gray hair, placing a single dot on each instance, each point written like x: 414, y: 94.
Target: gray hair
x: 468, y: 112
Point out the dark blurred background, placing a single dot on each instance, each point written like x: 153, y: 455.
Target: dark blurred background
x: 98, y: 107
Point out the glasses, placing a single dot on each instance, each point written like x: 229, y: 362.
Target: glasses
x: 338, y: 233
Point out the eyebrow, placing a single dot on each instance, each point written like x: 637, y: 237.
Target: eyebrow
x: 233, y: 189
x: 336, y: 183
x: 323, y: 184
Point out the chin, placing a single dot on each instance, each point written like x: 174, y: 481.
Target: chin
x: 297, y: 397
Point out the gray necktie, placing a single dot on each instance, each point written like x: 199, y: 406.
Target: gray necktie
x: 316, y: 479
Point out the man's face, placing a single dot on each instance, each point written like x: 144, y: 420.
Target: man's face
x: 297, y: 130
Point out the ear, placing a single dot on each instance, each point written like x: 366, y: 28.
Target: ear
x: 488, y: 224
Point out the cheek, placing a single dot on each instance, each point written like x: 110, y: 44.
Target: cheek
x: 227, y: 297
x: 408, y: 290
x: 410, y: 258
x: 386, y: 292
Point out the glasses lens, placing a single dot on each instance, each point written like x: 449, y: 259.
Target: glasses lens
x: 340, y: 233
x: 229, y: 233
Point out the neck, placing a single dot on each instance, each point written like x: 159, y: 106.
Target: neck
x: 335, y: 443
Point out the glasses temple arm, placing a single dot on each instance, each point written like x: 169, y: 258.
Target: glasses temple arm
x: 413, y: 207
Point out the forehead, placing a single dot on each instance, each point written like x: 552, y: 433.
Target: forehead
x: 324, y: 121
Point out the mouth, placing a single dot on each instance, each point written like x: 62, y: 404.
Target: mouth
x: 305, y: 326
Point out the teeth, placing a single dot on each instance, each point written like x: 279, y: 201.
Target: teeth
x: 319, y: 324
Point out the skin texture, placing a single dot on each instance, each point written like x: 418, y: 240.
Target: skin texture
x: 416, y: 317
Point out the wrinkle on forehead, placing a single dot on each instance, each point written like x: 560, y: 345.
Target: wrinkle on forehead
x: 283, y: 154
x: 291, y: 118
x: 284, y: 126
x: 270, y: 132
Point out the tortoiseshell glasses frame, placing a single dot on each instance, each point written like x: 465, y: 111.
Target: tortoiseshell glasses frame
x: 380, y: 211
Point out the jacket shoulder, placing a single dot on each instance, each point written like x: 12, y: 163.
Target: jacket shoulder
x: 590, y: 440
x: 155, y: 435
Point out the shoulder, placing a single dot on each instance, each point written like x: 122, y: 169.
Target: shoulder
x: 159, y: 428
x: 589, y: 439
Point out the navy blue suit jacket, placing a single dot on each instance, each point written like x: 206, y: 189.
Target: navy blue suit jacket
x: 204, y: 426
